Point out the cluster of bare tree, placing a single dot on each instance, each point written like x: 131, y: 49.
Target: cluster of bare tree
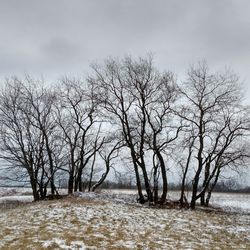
x: 218, y: 126
x: 129, y: 108
x: 46, y: 133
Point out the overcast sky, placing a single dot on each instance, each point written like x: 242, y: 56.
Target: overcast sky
x: 52, y: 38
x: 58, y: 37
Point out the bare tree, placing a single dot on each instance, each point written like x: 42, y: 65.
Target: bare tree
x: 230, y: 149
x: 79, y: 127
x: 41, y: 111
x: 26, y: 128
x: 183, y: 156
x: 135, y: 98
x: 207, y: 98
x: 163, y: 127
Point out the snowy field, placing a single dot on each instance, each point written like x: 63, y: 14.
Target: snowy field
x: 232, y: 202
x: 111, y: 220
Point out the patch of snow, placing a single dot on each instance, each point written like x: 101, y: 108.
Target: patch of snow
x: 104, y: 195
x: 56, y: 242
x: 16, y: 199
x: 233, y: 202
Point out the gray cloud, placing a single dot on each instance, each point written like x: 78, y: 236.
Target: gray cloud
x: 62, y: 37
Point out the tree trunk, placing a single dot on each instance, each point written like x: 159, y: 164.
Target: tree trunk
x: 205, y: 184
x: 184, y: 176
x: 80, y: 186
x: 209, y: 194
x: 92, y: 172
x: 164, y: 177
x: 141, y: 198
x: 34, y: 189
x: 51, y: 163
x: 76, y: 184
x: 202, y: 199
x: 200, y: 163
x: 52, y: 186
x: 146, y: 182
x: 70, y: 183
x: 102, y: 179
x: 155, y: 174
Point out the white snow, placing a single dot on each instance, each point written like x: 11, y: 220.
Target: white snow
x: 235, y: 202
x: 56, y: 242
x: 16, y: 199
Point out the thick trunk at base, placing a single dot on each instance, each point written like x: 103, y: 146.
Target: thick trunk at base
x: 138, y: 184
x: 212, y: 187
x: 52, y: 185
x: 194, y: 193
x: 70, y: 184
x: 202, y: 199
x: 34, y: 190
x: 200, y: 163
x: 102, y: 179
x: 76, y: 185
x: 80, y: 183
x: 164, y: 178
x: 147, y: 186
x: 182, y: 198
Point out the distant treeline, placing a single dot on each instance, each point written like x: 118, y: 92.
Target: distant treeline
x: 221, y: 187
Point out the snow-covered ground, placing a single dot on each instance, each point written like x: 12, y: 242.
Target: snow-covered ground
x: 16, y: 199
x: 234, y: 202
x: 8, y: 191
x: 111, y: 220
